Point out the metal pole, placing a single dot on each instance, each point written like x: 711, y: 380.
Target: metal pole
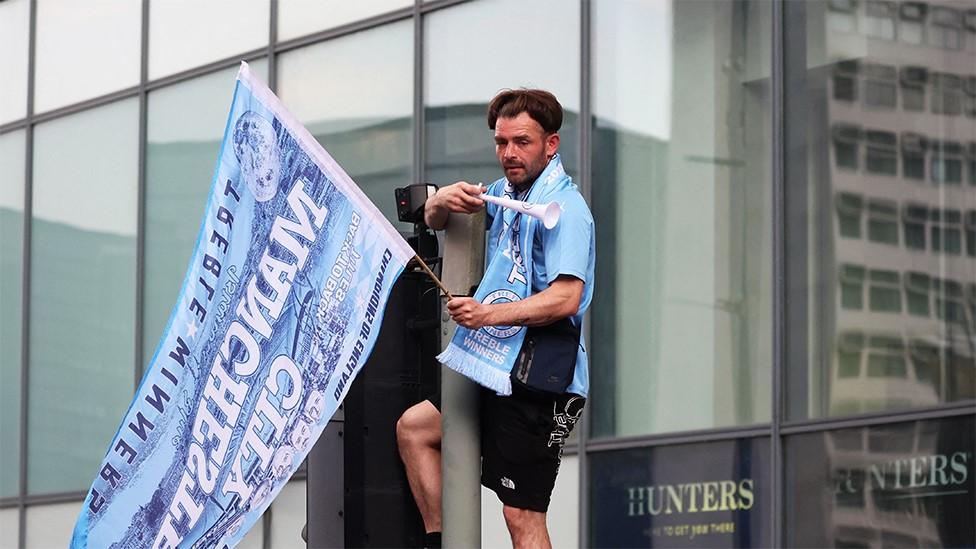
x: 464, y: 245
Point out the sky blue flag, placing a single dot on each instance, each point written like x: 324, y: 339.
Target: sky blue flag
x: 280, y: 308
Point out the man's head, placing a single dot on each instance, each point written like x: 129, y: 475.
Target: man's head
x: 526, y: 124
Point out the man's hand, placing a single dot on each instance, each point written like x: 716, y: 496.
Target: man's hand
x: 461, y: 197
x: 468, y: 312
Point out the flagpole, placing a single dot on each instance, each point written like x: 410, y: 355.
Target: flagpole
x: 433, y: 277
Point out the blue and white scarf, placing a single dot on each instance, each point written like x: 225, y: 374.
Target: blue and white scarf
x: 488, y: 354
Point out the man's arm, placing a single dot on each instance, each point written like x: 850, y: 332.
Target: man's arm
x: 461, y: 197
x: 560, y: 300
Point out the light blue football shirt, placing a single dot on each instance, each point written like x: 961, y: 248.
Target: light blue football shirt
x: 569, y: 248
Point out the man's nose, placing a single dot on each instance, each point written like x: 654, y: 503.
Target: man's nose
x: 510, y: 150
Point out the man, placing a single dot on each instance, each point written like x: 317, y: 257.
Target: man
x: 522, y: 434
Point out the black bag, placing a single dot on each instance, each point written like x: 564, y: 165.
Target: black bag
x: 547, y: 360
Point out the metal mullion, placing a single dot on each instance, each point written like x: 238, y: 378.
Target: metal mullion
x: 685, y: 437
x: 57, y: 497
x: 141, y: 200
x: 880, y: 418
x: 87, y: 104
x: 272, y: 40
x: 13, y: 126
x: 779, y: 274
x: 347, y: 29
x: 428, y: 7
x: 25, y: 281
x: 586, y: 180
x: 419, y: 115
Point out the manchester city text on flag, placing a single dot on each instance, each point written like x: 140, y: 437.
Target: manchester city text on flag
x: 279, y: 310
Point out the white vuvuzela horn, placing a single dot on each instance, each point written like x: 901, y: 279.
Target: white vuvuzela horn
x: 548, y: 213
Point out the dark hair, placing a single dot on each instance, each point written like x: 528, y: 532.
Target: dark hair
x: 540, y: 105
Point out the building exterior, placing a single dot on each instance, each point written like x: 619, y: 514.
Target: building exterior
x: 783, y: 335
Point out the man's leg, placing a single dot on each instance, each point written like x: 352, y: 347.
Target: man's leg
x: 419, y: 439
x: 527, y: 528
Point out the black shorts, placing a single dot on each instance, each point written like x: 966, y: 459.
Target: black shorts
x: 522, y: 439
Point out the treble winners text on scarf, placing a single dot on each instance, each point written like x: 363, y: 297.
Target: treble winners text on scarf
x: 219, y: 409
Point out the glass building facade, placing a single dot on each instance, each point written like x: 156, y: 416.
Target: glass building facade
x: 783, y: 333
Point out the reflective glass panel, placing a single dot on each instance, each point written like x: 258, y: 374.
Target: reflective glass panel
x: 900, y: 485
x: 185, y: 125
x: 300, y: 17
x: 906, y: 162
x: 9, y: 527
x: 83, y: 249
x: 14, y: 35
x: 714, y: 494
x: 355, y: 95
x: 681, y: 330
x: 12, y: 149
x: 51, y: 525
x: 468, y: 57
x: 85, y: 49
x: 288, y: 515
x: 184, y: 33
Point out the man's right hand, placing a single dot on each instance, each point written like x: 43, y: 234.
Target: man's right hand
x: 460, y: 197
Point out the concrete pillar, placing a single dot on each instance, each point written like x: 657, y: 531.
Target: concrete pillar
x: 464, y: 253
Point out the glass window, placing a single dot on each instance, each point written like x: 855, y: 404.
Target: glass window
x: 969, y: 97
x: 911, y: 487
x: 85, y: 49
x: 946, y: 159
x: 355, y: 95
x: 971, y: 233
x: 879, y: 19
x: 946, y: 231
x: 462, y: 75
x: 913, y: 147
x: 185, y: 123
x: 713, y: 494
x: 842, y: 16
x: 913, y: 83
x: 847, y: 138
x: 917, y: 293
x: 52, y: 525
x: 82, y: 291
x: 914, y: 218
x: 300, y: 17
x: 971, y: 161
x: 911, y: 27
x: 880, y: 86
x: 852, y: 286
x: 288, y: 515
x: 949, y: 301
x: 886, y: 193
x: 845, y: 80
x: 12, y: 150
x: 881, y: 152
x: 14, y: 36
x: 944, y: 29
x: 946, y: 93
x: 683, y: 320
x: 885, y: 291
x: 184, y: 34
x: 883, y: 221
x: 9, y: 527
x: 849, y: 348
x: 849, y: 207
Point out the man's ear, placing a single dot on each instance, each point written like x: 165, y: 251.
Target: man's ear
x: 552, y: 144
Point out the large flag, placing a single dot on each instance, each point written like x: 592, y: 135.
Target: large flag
x: 280, y: 307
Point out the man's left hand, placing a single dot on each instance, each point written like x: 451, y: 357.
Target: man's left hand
x: 468, y: 312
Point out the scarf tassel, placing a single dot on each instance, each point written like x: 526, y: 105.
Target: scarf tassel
x: 466, y: 364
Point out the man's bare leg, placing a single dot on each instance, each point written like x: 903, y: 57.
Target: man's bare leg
x: 527, y: 528
x: 419, y: 440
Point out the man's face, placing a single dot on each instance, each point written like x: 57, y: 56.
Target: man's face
x: 523, y: 148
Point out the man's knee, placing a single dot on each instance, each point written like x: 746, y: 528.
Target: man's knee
x: 420, y: 424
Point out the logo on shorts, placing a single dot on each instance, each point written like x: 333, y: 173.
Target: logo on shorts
x: 507, y: 483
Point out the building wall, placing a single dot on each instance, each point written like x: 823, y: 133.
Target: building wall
x: 785, y: 203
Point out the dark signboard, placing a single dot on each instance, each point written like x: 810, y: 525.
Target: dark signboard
x: 899, y: 485
x: 713, y: 494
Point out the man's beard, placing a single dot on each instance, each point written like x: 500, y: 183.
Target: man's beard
x: 525, y: 181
